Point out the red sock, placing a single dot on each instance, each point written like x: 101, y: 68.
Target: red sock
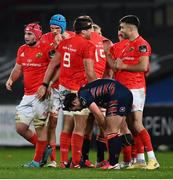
x: 76, y: 143
x: 53, y: 154
x: 127, y: 153
x: 138, y: 144
x: 65, y: 140
x: 39, y: 150
x: 146, y: 140
x: 134, y: 151
x: 33, y: 139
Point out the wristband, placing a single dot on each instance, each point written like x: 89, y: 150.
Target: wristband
x: 45, y: 85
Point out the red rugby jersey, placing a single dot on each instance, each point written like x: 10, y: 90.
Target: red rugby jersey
x: 73, y: 51
x: 130, y: 52
x: 49, y: 38
x: 34, y: 62
x: 100, y: 60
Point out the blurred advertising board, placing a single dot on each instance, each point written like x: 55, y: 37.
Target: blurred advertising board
x: 8, y: 134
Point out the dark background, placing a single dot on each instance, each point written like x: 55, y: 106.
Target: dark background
x: 156, y: 27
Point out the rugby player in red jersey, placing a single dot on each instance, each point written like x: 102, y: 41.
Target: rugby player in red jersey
x: 132, y: 66
x: 53, y: 38
x: 116, y: 51
x: 32, y: 61
x: 76, y: 57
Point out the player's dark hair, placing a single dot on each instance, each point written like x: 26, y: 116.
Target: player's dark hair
x: 130, y: 19
x: 96, y: 26
x: 69, y: 98
x: 82, y: 23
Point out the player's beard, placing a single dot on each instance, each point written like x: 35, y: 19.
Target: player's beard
x: 31, y: 43
x: 125, y: 36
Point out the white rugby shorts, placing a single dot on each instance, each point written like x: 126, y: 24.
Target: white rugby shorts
x: 30, y: 109
x: 138, y: 99
x: 55, y: 101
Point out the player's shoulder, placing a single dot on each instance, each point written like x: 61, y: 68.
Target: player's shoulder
x: 66, y: 41
x: 141, y: 40
x: 82, y: 41
x: 45, y: 38
x: 68, y: 34
x: 23, y: 47
x: 46, y: 34
x: 143, y: 45
x: 96, y: 37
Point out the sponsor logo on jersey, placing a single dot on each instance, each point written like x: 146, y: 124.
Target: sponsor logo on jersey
x: 39, y: 55
x: 131, y: 49
x: 83, y: 102
x: 122, y: 109
x: 143, y: 48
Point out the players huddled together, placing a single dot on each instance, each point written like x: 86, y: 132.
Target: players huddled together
x: 98, y: 85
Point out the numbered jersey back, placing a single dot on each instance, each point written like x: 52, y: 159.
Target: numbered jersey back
x: 100, y: 63
x: 73, y: 51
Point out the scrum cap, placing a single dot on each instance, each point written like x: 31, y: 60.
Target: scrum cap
x: 34, y: 28
x: 58, y: 20
x: 82, y: 23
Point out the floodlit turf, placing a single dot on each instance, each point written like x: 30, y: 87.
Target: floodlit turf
x: 11, y: 160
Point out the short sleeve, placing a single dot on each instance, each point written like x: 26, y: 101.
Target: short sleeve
x: 89, y: 50
x: 112, y: 49
x: 85, y: 98
x: 20, y: 54
x: 144, y: 49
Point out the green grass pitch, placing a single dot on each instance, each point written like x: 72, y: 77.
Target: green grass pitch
x: 11, y: 160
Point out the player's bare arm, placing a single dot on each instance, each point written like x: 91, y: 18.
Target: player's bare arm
x: 108, y: 72
x: 89, y: 69
x: 110, y: 61
x: 142, y: 66
x: 54, y: 63
x: 15, y: 74
x: 56, y: 75
x: 98, y: 115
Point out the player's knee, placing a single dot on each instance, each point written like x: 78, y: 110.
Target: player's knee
x: 127, y: 140
x: 21, y: 128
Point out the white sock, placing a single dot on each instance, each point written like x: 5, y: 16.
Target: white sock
x: 151, y: 155
x: 140, y: 157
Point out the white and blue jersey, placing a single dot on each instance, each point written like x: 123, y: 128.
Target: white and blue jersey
x: 108, y: 94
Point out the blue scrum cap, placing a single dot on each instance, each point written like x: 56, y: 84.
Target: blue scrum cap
x: 58, y: 20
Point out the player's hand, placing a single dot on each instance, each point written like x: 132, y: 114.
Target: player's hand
x: 58, y: 39
x: 9, y: 84
x: 119, y: 64
x: 41, y: 92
